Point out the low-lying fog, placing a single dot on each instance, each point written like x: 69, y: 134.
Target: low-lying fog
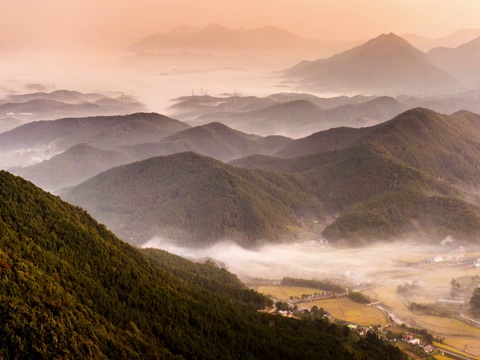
x: 154, y: 87
x: 308, y: 259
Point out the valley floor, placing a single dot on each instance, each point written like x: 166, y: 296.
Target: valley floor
x: 433, y: 283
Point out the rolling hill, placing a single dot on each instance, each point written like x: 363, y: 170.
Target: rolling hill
x: 299, y: 118
x: 71, y: 289
x: 48, y: 138
x: 215, y: 140
x: 450, y: 41
x: 413, y: 176
x: 65, y: 103
x: 75, y: 165
x: 196, y: 200
x: 386, y: 64
x: 443, y: 146
x: 374, y: 197
x: 189, y: 108
x: 83, y: 161
x: 462, y: 61
x: 9, y: 123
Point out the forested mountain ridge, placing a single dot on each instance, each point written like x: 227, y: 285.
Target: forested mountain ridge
x: 105, y: 132
x: 71, y: 289
x: 412, y: 176
x: 195, y: 199
x: 445, y: 146
x: 82, y: 161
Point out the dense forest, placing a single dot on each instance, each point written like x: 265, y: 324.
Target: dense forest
x: 70, y: 289
x: 196, y: 200
x: 412, y: 176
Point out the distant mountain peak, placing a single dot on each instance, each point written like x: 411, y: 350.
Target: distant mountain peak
x: 215, y: 27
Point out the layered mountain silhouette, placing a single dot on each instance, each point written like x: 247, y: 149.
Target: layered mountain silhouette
x: 462, y: 61
x: 64, y: 103
x: 387, y: 64
x: 83, y: 161
x: 301, y: 117
x: 71, y: 289
x: 220, y: 39
x: 25, y: 144
x: 450, y: 41
x: 190, y: 107
x: 71, y: 167
x: 214, y: 139
x: 412, y: 176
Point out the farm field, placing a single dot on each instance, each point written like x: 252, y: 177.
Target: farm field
x: 346, y: 309
x: 459, y: 335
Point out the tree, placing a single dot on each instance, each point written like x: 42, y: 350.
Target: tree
x: 475, y: 300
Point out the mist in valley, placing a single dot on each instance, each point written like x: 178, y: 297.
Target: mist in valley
x: 312, y: 259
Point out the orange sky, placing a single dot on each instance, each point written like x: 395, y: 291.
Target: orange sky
x: 117, y: 23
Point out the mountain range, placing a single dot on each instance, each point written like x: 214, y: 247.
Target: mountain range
x: 387, y: 64
x: 24, y: 145
x: 414, y: 175
x: 299, y: 118
x: 219, y: 39
x: 24, y: 108
x: 82, y: 161
x: 71, y: 289
x: 462, y: 61
x: 450, y: 41
x: 195, y: 200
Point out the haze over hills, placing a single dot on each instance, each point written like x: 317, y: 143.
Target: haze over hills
x: 374, y: 197
x: 444, y: 146
x: 82, y: 161
x: 386, y: 64
x: 459, y: 101
x: 189, y: 60
x: 214, y: 139
x: 219, y: 39
x: 71, y: 167
x: 63, y: 103
x: 450, y: 41
x: 298, y: 118
x: 414, y: 175
x: 31, y: 142
x: 411, y: 176
x: 190, y: 107
x: 119, y: 302
x: 462, y: 61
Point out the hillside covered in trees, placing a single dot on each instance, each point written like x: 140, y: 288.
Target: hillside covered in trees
x: 196, y: 200
x: 70, y: 289
x: 413, y: 176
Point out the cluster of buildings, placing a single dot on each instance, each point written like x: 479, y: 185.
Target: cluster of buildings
x: 411, y: 339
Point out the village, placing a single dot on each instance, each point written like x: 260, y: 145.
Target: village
x: 445, y: 281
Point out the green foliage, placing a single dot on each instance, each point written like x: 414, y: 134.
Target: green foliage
x: 475, y: 300
x: 415, y: 175
x: 358, y: 297
x: 69, y: 289
x: 433, y: 309
x: 195, y: 199
x: 314, y: 284
x: 419, y: 332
